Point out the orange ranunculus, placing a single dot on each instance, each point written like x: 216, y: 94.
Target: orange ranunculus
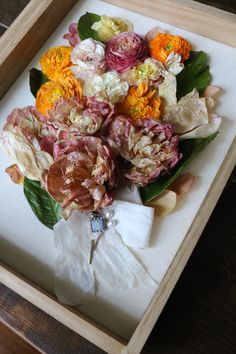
x: 55, y: 60
x: 66, y: 85
x: 141, y: 102
x: 163, y: 44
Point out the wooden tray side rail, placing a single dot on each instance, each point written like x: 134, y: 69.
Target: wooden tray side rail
x: 177, y: 266
x: 64, y: 314
x: 187, y: 14
x: 26, y: 36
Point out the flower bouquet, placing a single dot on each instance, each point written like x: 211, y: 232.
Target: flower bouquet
x: 113, y: 109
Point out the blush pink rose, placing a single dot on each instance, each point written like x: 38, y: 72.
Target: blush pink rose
x: 124, y: 50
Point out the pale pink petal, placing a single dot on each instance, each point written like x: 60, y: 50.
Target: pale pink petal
x: 182, y: 184
x: 212, y: 91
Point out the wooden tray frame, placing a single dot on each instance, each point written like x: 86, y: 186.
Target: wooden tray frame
x: 18, y: 46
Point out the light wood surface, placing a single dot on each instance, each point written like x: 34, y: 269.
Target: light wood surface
x: 172, y: 275
x: 64, y: 314
x: 199, y: 18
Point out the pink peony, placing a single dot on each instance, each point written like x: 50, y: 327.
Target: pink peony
x: 70, y: 120
x: 83, y: 178
x: 72, y: 36
x: 124, y: 50
x: 149, y: 146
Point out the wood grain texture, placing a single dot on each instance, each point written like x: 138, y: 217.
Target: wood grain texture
x: 64, y: 314
x: 199, y: 18
x: 39, y: 328
x: 26, y: 35
x: 10, y: 343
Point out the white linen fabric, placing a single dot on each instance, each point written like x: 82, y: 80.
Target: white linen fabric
x: 113, y: 263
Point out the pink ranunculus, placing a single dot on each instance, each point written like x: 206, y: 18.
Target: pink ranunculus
x: 149, y: 146
x: 72, y: 36
x: 83, y: 178
x: 124, y: 50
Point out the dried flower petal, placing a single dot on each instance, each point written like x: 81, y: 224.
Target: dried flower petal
x: 14, y: 172
x: 182, y: 184
x: 165, y: 203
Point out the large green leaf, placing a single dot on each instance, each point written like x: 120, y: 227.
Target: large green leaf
x: 84, y: 26
x: 195, y: 74
x: 189, y: 148
x: 46, y: 209
x: 37, y: 79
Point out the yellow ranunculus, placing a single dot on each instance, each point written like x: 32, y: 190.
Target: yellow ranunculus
x: 108, y: 27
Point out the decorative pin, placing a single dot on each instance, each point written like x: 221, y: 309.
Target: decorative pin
x: 98, y: 226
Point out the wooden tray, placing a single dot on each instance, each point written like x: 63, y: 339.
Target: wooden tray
x: 20, y: 43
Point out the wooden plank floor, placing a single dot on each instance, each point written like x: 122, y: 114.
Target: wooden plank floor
x: 200, y: 316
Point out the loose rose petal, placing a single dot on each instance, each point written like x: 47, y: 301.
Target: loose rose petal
x: 204, y: 130
x: 212, y: 91
x: 15, y: 174
x: 182, y: 184
x: 164, y: 203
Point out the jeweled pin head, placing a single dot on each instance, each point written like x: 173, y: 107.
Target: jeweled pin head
x: 97, y: 222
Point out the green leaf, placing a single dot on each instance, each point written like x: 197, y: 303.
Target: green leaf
x: 84, y: 26
x: 37, y: 79
x: 46, y: 209
x: 195, y: 74
x: 189, y: 148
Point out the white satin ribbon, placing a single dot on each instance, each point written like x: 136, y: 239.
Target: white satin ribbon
x: 113, y: 262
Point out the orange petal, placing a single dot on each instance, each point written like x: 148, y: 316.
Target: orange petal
x: 15, y: 174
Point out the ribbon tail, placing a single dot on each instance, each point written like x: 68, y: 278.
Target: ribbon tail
x: 119, y: 268
x: 74, y: 277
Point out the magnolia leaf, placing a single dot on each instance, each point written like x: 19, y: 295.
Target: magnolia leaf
x: 189, y: 149
x: 37, y: 79
x: 45, y: 208
x: 195, y: 74
x: 84, y: 26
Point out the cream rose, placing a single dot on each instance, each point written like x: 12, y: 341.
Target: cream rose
x: 108, y: 27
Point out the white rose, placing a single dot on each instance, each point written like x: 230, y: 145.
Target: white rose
x: 88, y: 58
x: 107, y: 87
